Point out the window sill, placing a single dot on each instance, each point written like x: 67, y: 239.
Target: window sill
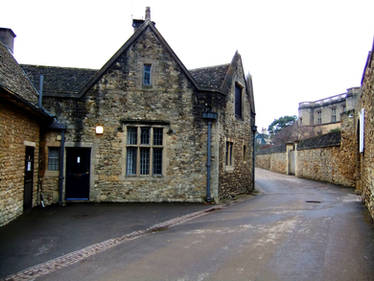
x: 229, y: 169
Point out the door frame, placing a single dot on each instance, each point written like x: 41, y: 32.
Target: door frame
x: 69, y: 145
x: 29, y: 197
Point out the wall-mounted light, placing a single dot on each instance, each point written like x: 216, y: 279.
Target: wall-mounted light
x: 99, y: 130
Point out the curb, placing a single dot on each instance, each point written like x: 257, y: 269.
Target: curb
x: 71, y: 258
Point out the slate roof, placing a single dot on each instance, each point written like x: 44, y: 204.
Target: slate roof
x: 13, y: 78
x: 59, y: 81
x: 210, y: 77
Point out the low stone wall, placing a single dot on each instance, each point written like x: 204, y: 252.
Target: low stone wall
x: 273, y: 158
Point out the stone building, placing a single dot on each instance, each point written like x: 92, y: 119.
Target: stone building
x: 143, y: 128
x: 365, y: 135
x: 22, y: 125
x: 321, y: 116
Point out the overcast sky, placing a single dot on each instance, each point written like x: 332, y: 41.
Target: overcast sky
x: 295, y: 50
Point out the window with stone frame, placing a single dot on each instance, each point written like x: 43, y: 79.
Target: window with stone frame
x: 144, y: 150
x: 229, y: 156
x: 53, y: 158
x: 319, y: 117
x: 238, y: 101
x: 147, y: 79
x: 333, y: 114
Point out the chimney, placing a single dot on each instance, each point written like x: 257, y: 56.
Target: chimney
x: 7, y: 38
x: 148, y: 13
x: 137, y: 23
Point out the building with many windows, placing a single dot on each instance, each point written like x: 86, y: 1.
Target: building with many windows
x: 322, y: 116
x: 143, y: 128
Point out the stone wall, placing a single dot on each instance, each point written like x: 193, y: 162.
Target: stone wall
x: 365, y: 180
x: 236, y: 178
x: 329, y: 158
x: 273, y: 158
x: 49, y: 182
x: 17, y: 130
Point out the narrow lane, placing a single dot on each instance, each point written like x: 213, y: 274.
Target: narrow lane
x: 294, y: 229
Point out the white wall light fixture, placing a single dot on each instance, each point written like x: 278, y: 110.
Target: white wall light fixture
x: 99, y: 130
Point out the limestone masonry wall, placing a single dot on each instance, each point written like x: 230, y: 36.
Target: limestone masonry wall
x: 15, y: 129
x: 329, y: 158
x: 365, y: 181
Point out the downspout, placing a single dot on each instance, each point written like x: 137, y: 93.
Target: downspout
x: 41, y: 173
x: 254, y: 130
x: 210, y: 116
x: 61, y: 168
x: 208, y: 162
x: 41, y: 81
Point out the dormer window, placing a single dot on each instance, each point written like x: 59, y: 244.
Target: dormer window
x: 147, y: 75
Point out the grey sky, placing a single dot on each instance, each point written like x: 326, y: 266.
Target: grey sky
x: 296, y: 50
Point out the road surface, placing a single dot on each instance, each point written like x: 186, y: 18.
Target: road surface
x: 294, y: 229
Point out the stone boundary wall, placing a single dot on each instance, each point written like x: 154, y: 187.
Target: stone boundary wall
x: 327, y: 158
x: 273, y: 158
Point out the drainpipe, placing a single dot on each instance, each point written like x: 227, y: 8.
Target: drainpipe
x: 210, y: 116
x: 61, y: 168
x: 254, y: 130
x: 41, y: 81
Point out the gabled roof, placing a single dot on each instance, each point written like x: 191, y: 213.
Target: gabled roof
x: 13, y: 78
x: 59, y: 81
x: 210, y: 77
x: 147, y: 24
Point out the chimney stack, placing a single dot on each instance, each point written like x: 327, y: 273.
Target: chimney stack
x: 137, y: 23
x: 148, y: 13
x: 7, y: 38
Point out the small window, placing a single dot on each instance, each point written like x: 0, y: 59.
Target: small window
x: 244, y: 152
x: 333, y: 114
x: 147, y: 75
x: 53, y: 158
x: 229, y: 153
x: 319, y: 117
x: 238, y: 101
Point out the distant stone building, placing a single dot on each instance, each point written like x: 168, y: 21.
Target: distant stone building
x: 321, y: 116
x: 365, y: 135
x: 143, y: 128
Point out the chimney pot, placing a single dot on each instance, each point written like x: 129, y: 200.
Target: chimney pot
x: 7, y: 38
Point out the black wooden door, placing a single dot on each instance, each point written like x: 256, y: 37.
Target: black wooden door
x: 77, y: 173
x: 29, y: 178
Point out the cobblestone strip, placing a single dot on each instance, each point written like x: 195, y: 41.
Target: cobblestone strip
x: 50, y: 266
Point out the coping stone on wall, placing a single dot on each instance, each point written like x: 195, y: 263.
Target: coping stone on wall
x: 273, y: 149
x: 328, y: 140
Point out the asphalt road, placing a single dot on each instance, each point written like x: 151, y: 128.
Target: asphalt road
x: 294, y: 229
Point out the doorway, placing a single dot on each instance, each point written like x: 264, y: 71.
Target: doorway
x: 77, y: 173
x: 29, y: 178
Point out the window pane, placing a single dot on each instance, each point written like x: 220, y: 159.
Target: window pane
x: 227, y: 153
x: 131, y: 160
x: 53, y: 158
x: 144, y: 161
x: 230, y: 153
x: 147, y: 75
x: 157, y: 161
x: 132, y: 135
x: 238, y: 101
x: 144, y: 137
x: 157, y: 136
